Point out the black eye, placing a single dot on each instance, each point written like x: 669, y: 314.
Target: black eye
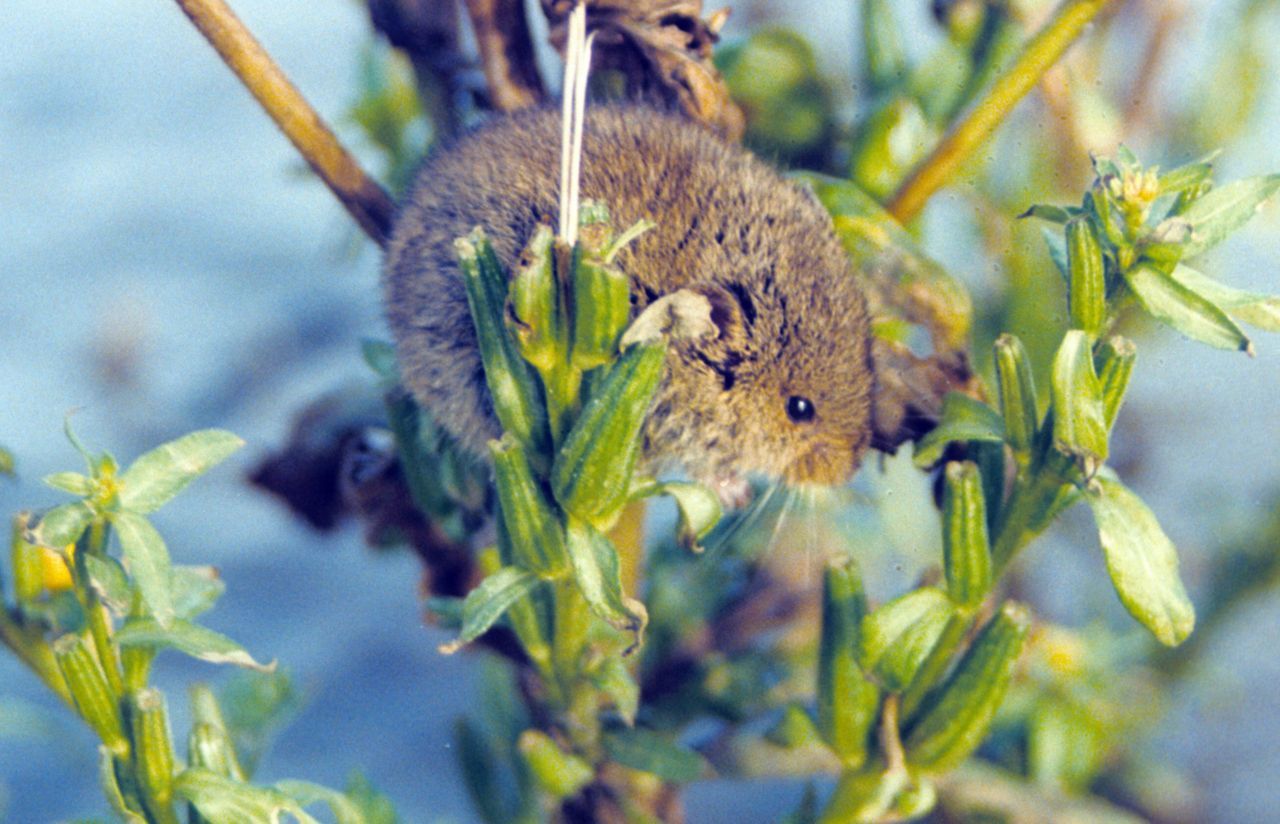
x: 800, y: 410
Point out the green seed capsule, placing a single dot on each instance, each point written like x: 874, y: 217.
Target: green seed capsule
x: 529, y: 523
x: 1115, y: 365
x: 92, y: 695
x: 153, y: 750
x: 847, y: 700
x: 592, y: 472
x: 208, y: 747
x: 1088, y: 297
x: 1017, y: 394
x: 536, y: 303
x: 953, y: 726
x: 966, y: 550
x: 513, y: 384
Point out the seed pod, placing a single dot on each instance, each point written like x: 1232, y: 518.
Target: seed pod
x: 536, y: 303
x: 153, y: 750
x: 1017, y: 394
x: 965, y: 547
x: 899, y: 636
x: 1088, y: 297
x: 1115, y: 365
x: 530, y: 525
x: 24, y: 559
x: 601, y: 310
x: 958, y: 720
x: 512, y: 382
x: 847, y: 700
x: 592, y: 472
x: 1079, y: 425
x: 93, y: 698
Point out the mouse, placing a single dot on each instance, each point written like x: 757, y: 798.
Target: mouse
x: 782, y: 387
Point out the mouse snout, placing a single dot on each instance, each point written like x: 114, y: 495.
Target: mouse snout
x: 823, y: 465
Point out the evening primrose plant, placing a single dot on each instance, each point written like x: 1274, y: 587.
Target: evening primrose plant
x: 96, y: 597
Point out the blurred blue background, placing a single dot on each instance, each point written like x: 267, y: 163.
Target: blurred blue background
x: 167, y: 265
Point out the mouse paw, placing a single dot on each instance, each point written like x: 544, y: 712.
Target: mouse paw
x: 734, y: 491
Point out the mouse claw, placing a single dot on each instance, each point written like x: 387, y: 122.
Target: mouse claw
x: 734, y: 491
x: 682, y: 315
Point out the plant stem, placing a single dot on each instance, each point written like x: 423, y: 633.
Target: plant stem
x: 966, y: 137
x: 95, y: 612
x: 367, y: 201
x: 1026, y: 508
x: 37, y: 656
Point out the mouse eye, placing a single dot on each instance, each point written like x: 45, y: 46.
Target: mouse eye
x: 800, y: 410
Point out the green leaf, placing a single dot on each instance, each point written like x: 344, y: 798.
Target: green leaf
x: 1262, y: 311
x: 963, y: 419
x: 1218, y: 213
x: 614, y: 680
x: 965, y: 546
x: 381, y: 358
x: 957, y: 721
x: 61, y: 525
x: 864, y: 796
x: 1056, y: 245
x: 653, y: 753
x: 558, y: 773
x: 1195, y: 316
x: 1079, y: 417
x: 898, y: 637
x: 306, y: 793
x: 108, y: 579
x: 598, y: 575
x: 158, y: 475
x: 1142, y: 561
x: 219, y: 798
x: 147, y: 560
x: 195, y: 590
x: 487, y: 602
x: 111, y: 788
x: 191, y: 639
x: 698, y: 506
x: 1050, y: 213
x: 73, y: 482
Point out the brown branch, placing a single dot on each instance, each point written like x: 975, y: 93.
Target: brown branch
x: 506, y: 52
x: 367, y: 202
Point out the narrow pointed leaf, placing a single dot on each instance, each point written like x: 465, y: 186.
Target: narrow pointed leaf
x: 191, y: 639
x: 195, y: 590
x: 558, y: 773
x: 1216, y: 214
x: 111, y: 788
x: 1079, y: 418
x: 61, y: 525
x: 1142, y: 561
x: 699, y: 510
x: 1262, y: 311
x: 158, y: 475
x: 651, y: 752
x: 109, y: 581
x: 73, y: 482
x: 219, y: 798
x: 598, y: 575
x: 487, y: 602
x: 898, y: 637
x: 147, y: 560
x: 1194, y: 315
x: 963, y: 419
x: 966, y: 551
x: 306, y: 793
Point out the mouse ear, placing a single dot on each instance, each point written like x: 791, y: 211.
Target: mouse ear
x: 729, y: 315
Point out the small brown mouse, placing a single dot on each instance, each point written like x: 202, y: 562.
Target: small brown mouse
x: 783, y: 389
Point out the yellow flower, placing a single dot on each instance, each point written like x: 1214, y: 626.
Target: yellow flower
x: 54, y: 572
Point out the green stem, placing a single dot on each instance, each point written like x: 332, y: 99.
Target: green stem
x: 562, y: 385
x: 967, y: 136
x: 95, y: 612
x: 1024, y: 515
x: 35, y: 653
x: 572, y: 617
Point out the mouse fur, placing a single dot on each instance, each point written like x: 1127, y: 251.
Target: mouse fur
x: 791, y: 318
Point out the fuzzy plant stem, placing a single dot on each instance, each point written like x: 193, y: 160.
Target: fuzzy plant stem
x: 967, y: 137
x: 367, y: 201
